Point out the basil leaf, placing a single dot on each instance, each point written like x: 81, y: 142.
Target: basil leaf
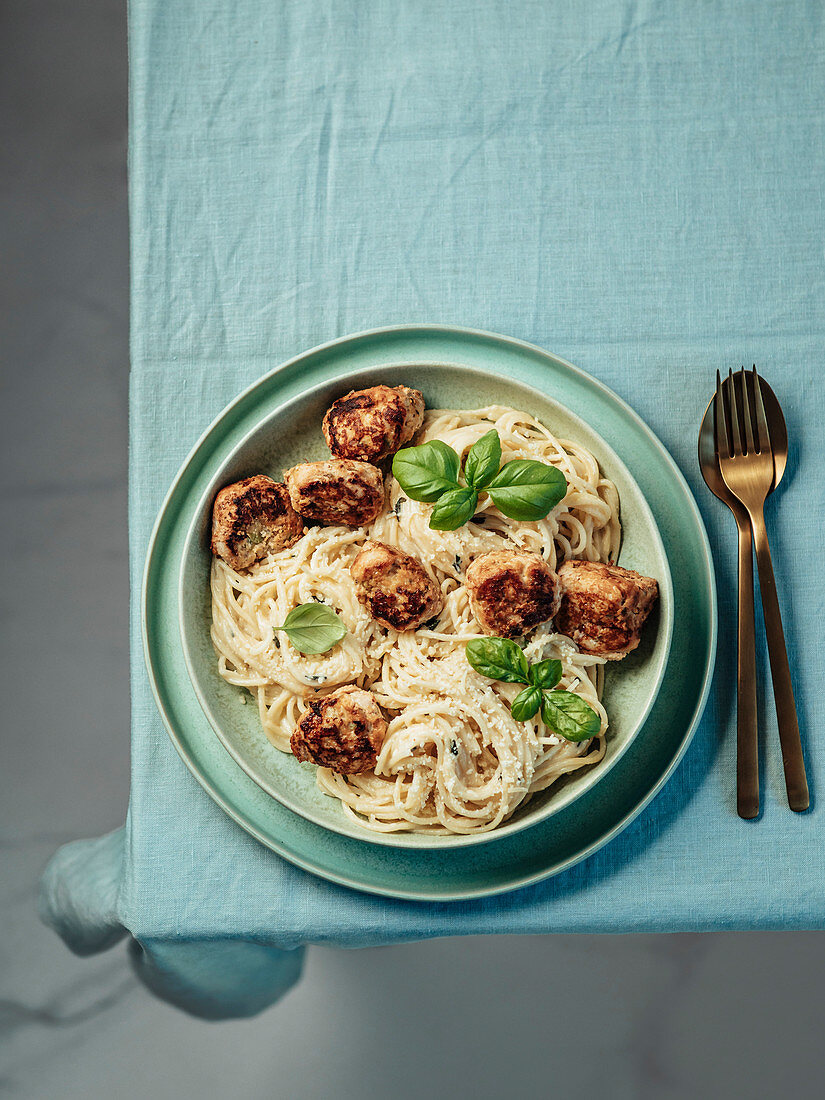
x: 569, y: 716
x: 483, y: 460
x: 426, y: 472
x: 545, y: 674
x: 313, y: 628
x: 453, y: 509
x: 498, y: 658
x: 525, y: 704
x: 527, y: 490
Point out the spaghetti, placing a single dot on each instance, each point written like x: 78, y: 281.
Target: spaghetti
x: 454, y: 760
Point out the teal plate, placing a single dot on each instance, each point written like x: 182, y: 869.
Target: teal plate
x: 579, y: 826
x: 290, y: 433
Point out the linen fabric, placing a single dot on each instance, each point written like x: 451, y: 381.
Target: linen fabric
x: 637, y: 187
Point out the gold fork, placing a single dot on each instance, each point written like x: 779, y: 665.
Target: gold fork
x: 747, y: 468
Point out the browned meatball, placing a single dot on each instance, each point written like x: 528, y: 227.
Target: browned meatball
x: 511, y: 591
x: 339, y: 490
x: 371, y: 424
x: 603, y: 607
x: 252, y: 518
x: 343, y: 731
x: 394, y: 587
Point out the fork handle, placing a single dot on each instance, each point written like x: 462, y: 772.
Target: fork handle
x: 793, y: 762
x: 747, y: 752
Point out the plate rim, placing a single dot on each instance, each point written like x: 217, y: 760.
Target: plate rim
x: 422, y: 842
x: 711, y: 608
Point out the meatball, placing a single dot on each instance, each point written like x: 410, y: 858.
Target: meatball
x: 511, y: 591
x: 252, y: 518
x: 603, y: 607
x: 371, y: 424
x: 394, y: 587
x: 339, y: 490
x: 343, y: 731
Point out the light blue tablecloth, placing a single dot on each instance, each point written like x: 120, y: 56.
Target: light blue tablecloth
x: 637, y: 187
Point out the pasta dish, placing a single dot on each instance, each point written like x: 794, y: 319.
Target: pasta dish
x: 424, y: 741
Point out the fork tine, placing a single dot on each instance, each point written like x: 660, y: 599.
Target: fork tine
x: 720, y: 426
x: 746, y: 405
x: 762, y: 430
x: 736, y: 436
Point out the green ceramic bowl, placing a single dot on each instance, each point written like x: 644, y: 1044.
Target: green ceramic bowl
x: 291, y: 433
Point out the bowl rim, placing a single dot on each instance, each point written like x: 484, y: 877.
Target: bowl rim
x: 408, y: 840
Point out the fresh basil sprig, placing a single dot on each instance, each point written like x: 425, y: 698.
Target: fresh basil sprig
x: 313, y: 628
x: 500, y: 659
x: 527, y: 490
x: 526, y: 703
x: 522, y: 489
x: 427, y: 471
x: 453, y: 509
x: 483, y: 460
x: 564, y: 713
x: 568, y: 715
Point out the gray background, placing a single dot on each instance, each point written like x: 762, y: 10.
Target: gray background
x: 647, y: 1016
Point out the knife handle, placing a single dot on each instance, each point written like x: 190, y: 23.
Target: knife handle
x: 793, y: 762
